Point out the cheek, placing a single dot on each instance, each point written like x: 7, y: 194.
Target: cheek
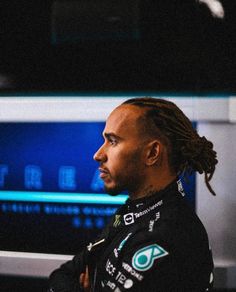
x: 128, y: 162
x: 118, y: 160
x: 123, y: 159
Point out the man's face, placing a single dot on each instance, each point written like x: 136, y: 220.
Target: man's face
x: 121, y: 157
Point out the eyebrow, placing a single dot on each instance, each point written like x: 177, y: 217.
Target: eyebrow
x: 111, y: 135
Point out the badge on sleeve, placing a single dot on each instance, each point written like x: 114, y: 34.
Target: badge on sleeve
x: 144, y: 258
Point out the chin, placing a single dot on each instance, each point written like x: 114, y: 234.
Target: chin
x: 112, y: 191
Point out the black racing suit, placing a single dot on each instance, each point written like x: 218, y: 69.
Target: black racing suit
x: 152, y: 244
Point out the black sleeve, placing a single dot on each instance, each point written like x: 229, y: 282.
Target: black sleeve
x: 66, y: 278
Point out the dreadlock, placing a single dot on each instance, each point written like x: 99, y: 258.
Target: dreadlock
x: 188, y: 152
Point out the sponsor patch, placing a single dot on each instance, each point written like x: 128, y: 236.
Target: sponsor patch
x: 117, y: 250
x: 149, y: 209
x: 158, y: 215
x: 152, y: 222
x: 132, y: 271
x: 180, y: 188
x: 128, y: 284
x: 124, y: 241
x: 151, y: 225
x: 110, y: 268
x: 117, y: 220
x: 92, y: 245
x: 111, y: 285
x: 129, y: 218
x: 122, y: 279
x: 144, y: 258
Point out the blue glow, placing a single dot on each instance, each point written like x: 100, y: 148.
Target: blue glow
x: 100, y: 223
x: 50, y: 157
x: 67, y: 178
x: 62, y: 197
x: 76, y: 222
x: 33, y: 177
x: 88, y: 223
x: 3, y: 173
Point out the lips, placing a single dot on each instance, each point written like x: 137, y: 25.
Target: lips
x: 103, y: 172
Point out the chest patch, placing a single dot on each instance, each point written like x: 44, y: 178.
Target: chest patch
x: 144, y: 258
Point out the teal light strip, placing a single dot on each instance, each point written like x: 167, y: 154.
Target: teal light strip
x: 62, y: 197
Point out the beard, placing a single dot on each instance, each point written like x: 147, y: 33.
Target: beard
x: 113, y: 191
x: 128, y: 178
x: 128, y: 182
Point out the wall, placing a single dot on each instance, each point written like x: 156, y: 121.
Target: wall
x: 219, y: 213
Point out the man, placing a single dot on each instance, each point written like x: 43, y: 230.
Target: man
x: 155, y: 242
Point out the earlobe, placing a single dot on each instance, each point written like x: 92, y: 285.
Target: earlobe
x: 153, y: 153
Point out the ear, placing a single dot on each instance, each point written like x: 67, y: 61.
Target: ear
x: 153, y: 152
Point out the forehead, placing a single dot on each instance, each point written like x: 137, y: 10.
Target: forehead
x: 123, y: 120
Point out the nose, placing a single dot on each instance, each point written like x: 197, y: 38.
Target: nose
x: 100, y: 155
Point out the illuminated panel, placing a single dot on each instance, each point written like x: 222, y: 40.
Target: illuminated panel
x: 50, y: 186
x: 50, y: 157
x: 62, y: 197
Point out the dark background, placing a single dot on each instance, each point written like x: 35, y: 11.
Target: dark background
x: 181, y: 48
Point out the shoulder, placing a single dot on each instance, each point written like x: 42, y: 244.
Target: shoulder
x: 176, y: 225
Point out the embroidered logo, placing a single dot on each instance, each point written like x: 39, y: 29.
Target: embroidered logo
x: 117, y: 220
x: 117, y: 250
x: 144, y: 258
x: 129, y: 218
x: 180, y: 188
x: 152, y: 222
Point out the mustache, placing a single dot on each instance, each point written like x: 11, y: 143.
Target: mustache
x: 104, y: 169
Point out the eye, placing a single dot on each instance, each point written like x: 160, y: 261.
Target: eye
x: 112, y: 141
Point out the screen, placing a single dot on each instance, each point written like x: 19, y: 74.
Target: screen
x: 51, y: 196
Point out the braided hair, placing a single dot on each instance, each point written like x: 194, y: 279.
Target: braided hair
x: 187, y: 151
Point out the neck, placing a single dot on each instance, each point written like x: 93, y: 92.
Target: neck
x: 151, y: 188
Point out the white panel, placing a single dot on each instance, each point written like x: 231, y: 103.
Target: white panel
x: 232, y: 109
x: 30, y: 264
x: 203, y: 108
x: 211, y: 109
x: 98, y: 108
x: 56, y: 108
x: 218, y: 213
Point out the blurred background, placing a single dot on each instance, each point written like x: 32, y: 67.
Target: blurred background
x: 144, y: 45
x: 64, y: 65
